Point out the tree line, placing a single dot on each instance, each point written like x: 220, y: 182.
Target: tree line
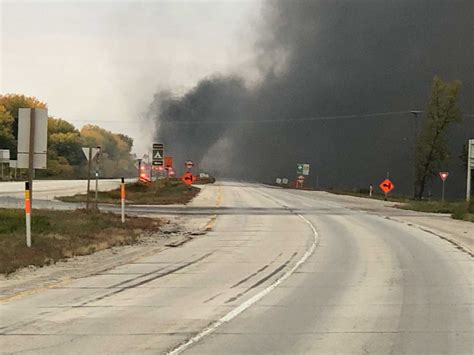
x: 65, y: 142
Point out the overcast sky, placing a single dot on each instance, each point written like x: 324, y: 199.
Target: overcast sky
x: 100, y: 61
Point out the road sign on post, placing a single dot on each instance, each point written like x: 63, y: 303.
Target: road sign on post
x: 306, y: 169
x: 300, y: 181
x: 90, y: 154
x: 158, y: 154
x: 386, y: 186
x: 188, y: 178
x: 470, y: 166
x: 444, y: 176
x: 168, y: 162
x: 299, y: 169
x: 32, y: 142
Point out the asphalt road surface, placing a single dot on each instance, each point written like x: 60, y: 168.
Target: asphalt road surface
x: 280, y: 272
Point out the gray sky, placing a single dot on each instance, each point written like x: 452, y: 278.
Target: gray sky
x: 99, y: 61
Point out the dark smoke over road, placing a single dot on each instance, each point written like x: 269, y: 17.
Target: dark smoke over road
x: 329, y: 58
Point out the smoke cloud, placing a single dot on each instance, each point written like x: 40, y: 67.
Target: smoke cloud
x: 322, y: 59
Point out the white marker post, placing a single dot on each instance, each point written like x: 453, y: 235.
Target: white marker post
x: 28, y: 214
x: 122, y: 197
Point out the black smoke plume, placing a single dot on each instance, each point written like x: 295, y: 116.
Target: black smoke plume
x: 324, y: 59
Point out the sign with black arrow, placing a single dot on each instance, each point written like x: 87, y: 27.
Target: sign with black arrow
x: 158, y: 154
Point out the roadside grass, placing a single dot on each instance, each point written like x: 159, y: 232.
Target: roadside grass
x: 364, y: 193
x: 63, y: 234
x: 161, y: 192
x: 458, y: 209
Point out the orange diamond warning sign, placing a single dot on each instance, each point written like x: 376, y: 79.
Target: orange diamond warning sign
x: 386, y: 186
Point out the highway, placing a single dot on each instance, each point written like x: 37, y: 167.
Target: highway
x: 280, y: 271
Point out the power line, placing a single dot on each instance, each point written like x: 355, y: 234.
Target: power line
x: 305, y: 119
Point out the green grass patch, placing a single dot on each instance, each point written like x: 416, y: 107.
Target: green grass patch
x: 161, y: 192
x: 58, y: 235
x: 458, y: 210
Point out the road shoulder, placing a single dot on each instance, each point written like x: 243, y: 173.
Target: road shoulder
x: 457, y: 232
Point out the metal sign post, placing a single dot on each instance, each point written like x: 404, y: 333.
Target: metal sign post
x: 32, y: 142
x: 139, y: 165
x: 88, y: 177
x: 90, y: 154
x: 97, y: 159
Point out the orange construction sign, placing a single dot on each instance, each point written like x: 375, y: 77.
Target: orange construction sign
x: 168, y: 162
x: 386, y: 186
x: 188, y: 178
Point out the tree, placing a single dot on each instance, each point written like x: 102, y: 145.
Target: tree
x: 7, y: 140
x: 431, y: 149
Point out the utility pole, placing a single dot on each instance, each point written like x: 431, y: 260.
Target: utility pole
x: 415, y: 114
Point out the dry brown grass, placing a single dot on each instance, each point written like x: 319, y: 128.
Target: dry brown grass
x: 162, y: 192
x: 63, y: 234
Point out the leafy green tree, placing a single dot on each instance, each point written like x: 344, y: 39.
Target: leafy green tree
x: 7, y: 140
x: 432, y: 149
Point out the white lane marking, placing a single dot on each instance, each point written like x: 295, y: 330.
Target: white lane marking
x: 242, y: 307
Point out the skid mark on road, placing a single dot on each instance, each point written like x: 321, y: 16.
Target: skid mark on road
x: 254, y: 299
x: 143, y: 282
x: 261, y: 281
x: 256, y: 273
